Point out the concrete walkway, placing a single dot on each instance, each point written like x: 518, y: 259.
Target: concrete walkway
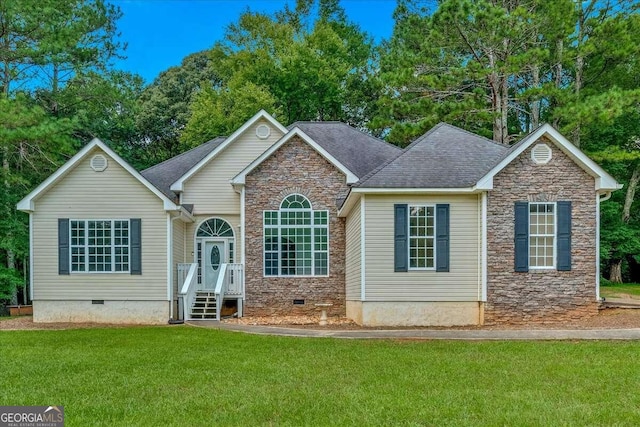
x: 430, y: 334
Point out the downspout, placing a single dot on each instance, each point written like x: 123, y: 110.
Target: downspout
x: 242, y: 226
x: 607, y: 196
x: 170, y: 261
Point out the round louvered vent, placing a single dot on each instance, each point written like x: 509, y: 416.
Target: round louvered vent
x: 541, y: 154
x: 263, y: 131
x: 99, y: 163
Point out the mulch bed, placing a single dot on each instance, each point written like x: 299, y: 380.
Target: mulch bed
x: 613, y: 318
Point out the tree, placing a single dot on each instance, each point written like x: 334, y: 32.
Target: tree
x: 44, y: 45
x: 31, y: 147
x: 312, y: 60
x: 220, y: 112
x: 500, y: 67
x: 164, y: 105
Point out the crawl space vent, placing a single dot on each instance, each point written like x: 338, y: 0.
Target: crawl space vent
x: 541, y: 154
x: 263, y: 131
x: 99, y: 163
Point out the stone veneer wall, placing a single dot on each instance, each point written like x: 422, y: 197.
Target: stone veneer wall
x: 293, y: 168
x: 544, y: 295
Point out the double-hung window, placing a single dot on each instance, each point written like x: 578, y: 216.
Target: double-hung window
x: 422, y: 226
x: 421, y: 237
x: 542, y: 236
x: 296, y: 239
x: 99, y: 245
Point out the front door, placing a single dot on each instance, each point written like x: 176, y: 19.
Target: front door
x: 214, y: 257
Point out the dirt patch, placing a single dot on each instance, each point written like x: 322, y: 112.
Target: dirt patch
x: 611, y: 318
x: 26, y: 323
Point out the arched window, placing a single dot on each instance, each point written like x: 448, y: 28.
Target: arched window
x: 215, y: 227
x: 296, y: 239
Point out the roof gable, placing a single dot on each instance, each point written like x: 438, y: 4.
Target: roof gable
x: 178, y: 185
x: 166, y: 173
x: 603, y: 181
x: 27, y: 203
x: 240, y: 178
x: 359, y: 152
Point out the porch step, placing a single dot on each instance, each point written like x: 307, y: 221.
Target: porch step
x: 204, y: 306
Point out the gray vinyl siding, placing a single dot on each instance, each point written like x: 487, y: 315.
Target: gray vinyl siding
x: 461, y: 283
x: 353, y: 260
x: 112, y: 194
x: 209, y: 189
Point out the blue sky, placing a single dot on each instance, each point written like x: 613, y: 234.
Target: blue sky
x: 159, y: 33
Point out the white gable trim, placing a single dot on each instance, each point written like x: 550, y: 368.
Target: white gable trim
x: 604, y: 181
x: 178, y: 186
x: 240, y: 178
x: 27, y: 204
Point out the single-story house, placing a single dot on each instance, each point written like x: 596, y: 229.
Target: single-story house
x: 455, y: 229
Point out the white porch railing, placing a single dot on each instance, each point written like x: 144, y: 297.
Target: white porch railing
x: 230, y: 284
x: 187, y: 283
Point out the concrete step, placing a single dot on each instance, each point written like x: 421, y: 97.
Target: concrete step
x: 621, y: 303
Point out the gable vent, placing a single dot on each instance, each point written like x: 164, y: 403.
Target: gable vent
x: 541, y: 154
x: 99, y: 163
x: 263, y: 131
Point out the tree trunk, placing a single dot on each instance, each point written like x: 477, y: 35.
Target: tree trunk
x: 504, y: 110
x: 615, y: 275
x: 535, y: 105
x: 558, y: 72
x: 631, y: 194
x: 496, y: 99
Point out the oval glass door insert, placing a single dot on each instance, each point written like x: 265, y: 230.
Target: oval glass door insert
x: 215, y: 258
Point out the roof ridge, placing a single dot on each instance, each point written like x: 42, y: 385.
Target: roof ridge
x: 402, y: 153
x: 475, y: 135
x: 182, y: 154
x: 350, y: 127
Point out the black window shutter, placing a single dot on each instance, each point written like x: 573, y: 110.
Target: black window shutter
x: 564, y: 236
x: 522, y: 236
x: 136, y: 245
x: 401, y: 241
x: 63, y: 245
x: 442, y: 237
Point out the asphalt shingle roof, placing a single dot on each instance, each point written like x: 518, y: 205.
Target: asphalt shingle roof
x: 166, y: 173
x: 444, y: 157
x: 357, y: 151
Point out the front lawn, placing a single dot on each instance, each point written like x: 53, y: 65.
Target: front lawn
x: 187, y: 376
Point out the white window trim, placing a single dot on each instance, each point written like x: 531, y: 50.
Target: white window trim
x: 409, y: 268
x: 86, y: 246
x: 555, y: 237
x: 279, y: 227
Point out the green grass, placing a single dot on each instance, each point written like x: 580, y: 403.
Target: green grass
x: 613, y: 290
x: 6, y: 318
x: 186, y: 376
